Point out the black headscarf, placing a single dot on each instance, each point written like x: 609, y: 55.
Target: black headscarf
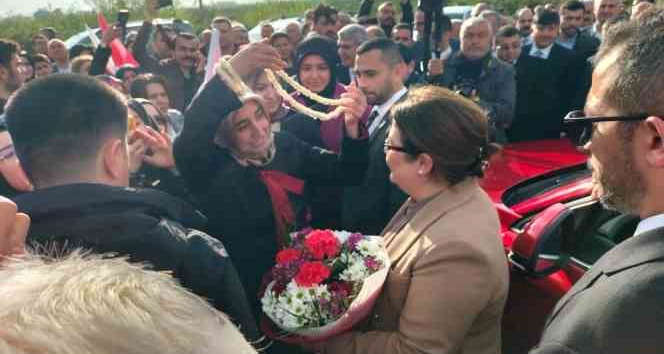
x: 327, y: 50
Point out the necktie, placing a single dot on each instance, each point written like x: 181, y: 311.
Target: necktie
x: 539, y: 54
x: 372, y: 117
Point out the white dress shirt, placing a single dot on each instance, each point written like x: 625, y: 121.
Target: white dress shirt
x: 649, y: 224
x: 383, y: 109
x: 545, y: 51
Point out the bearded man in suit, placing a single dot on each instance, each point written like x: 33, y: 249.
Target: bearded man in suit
x: 379, y: 70
x: 616, y: 307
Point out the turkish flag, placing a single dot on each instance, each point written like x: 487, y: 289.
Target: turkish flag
x: 120, y: 55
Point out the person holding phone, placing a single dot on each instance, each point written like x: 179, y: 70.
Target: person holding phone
x: 182, y: 72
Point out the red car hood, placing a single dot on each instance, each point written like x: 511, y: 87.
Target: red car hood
x: 518, y: 162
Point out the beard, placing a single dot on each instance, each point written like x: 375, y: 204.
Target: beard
x: 621, y: 185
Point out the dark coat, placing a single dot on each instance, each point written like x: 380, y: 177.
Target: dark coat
x: 342, y: 74
x: 546, y: 91
x: 496, y: 88
x: 616, y: 307
x: 407, y: 15
x: 586, y: 45
x: 147, y: 226
x: 180, y: 88
x: 369, y: 207
x: 100, y: 60
x: 234, y: 197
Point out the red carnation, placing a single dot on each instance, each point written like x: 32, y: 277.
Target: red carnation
x: 312, y: 273
x: 288, y: 255
x: 322, y: 243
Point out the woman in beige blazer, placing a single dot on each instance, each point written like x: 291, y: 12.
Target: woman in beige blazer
x: 448, y: 284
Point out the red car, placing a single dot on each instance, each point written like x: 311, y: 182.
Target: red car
x: 552, y: 230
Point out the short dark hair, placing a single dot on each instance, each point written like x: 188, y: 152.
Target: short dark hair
x: 324, y: 11
x: 38, y: 35
x: 546, y: 18
x: 127, y: 67
x: 403, y: 26
x: 573, y: 5
x: 449, y: 127
x: 60, y: 122
x: 186, y: 36
x: 40, y: 58
x: 79, y: 49
x: 637, y: 86
x: 507, y: 31
x: 49, y: 32
x: 387, y: 47
x: 8, y: 49
x: 139, y: 87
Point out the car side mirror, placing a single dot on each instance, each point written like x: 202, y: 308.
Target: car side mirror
x: 538, y: 249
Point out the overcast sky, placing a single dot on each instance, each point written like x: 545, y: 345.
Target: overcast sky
x: 28, y: 7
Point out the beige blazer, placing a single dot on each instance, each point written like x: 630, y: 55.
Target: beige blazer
x: 448, y: 284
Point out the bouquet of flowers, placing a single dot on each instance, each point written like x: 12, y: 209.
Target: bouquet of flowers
x: 325, y: 282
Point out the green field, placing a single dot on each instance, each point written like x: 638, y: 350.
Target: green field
x: 68, y: 22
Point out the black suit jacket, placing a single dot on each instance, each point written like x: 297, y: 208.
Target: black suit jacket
x: 586, y: 45
x: 545, y: 91
x: 617, y: 307
x: 342, y: 73
x: 369, y: 207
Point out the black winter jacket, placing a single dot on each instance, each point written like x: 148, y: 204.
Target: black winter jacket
x: 146, y: 226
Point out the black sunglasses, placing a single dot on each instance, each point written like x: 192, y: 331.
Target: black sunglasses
x: 580, y: 127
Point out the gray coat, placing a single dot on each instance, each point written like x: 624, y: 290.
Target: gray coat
x: 496, y: 89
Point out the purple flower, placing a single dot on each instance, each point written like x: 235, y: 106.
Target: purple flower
x: 353, y: 240
x: 371, y: 263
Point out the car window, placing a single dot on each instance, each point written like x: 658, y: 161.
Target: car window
x: 545, y: 183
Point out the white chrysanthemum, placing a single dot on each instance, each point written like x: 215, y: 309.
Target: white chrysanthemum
x: 342, y: 236
x: 369, y: 247
x: 356, y: 270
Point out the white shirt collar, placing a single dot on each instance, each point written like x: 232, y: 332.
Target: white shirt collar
x: 546, y: 50
x: 384, y: 108
x: 649, y: 224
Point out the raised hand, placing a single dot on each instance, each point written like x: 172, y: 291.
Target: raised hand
x: 160, y: 145
x: 13, y: 229
x: 435, y: 66
x: 353, y: 105
x: 110, y: 34
x: 137, y: 149
x: 256, y: 56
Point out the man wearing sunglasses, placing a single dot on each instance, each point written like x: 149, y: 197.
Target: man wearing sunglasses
x: 616, y: 307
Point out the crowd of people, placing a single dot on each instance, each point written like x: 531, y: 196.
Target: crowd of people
x: 199, y: 171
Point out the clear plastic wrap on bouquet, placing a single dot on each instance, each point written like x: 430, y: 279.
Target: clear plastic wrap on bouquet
x: 359, y: 307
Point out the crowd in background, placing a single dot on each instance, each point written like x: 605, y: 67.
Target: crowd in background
x: 169, y: 161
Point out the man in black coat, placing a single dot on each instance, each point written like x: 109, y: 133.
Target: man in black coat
x: 570, y: 36
x: 617, y: 306
x: 549, y: 83
x: 387, y: 14
x: 380, y: 72
x: 78, y: 161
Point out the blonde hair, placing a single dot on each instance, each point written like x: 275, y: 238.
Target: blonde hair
x: 85, y: 303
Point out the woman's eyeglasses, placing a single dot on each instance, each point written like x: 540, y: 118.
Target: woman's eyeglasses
x: 387, y: 147
x: 580, y: 127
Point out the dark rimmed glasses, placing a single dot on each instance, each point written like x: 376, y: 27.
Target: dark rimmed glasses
x: 581, y: 127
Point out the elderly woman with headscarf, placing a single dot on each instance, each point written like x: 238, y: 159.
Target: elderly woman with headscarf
x: 249, y: 181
